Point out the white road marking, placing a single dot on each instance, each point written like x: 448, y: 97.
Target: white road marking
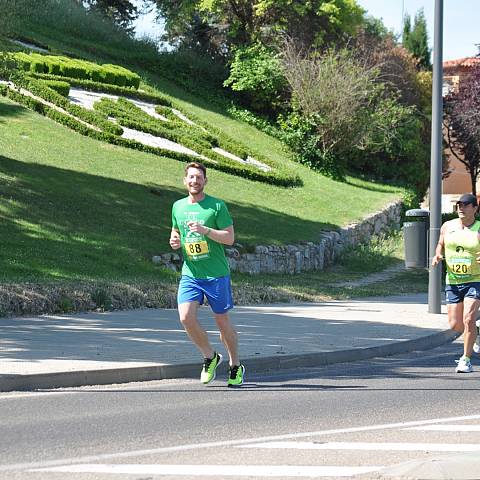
x: 16, y: 395
x: 217, y: 470
x: 407, y: 447
x: 448, y: 428
x: 226, y: 443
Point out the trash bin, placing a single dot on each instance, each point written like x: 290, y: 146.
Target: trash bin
x: 415, y: 238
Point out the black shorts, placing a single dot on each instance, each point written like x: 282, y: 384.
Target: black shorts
x: 456, y: 293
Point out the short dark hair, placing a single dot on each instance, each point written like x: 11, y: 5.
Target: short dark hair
x: 198, y: 165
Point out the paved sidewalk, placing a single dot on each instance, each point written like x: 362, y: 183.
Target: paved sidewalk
x: 101, y: 348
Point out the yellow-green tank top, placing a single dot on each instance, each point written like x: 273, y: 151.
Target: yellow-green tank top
x: 461, y: 247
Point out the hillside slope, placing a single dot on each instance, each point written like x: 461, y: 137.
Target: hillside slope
x: 75, y: 208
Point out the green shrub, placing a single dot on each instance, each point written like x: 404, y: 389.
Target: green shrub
x: 371, y: 257
x: 102, y: 299
x: 63, y: 88
x: 38, y: 66
x: 80, y: 69
x: 256, y: 72
x: 64, y: 305
x: 23, y: 60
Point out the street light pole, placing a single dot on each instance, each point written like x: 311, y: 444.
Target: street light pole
x: 435, y: 273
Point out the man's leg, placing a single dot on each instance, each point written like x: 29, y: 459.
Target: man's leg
x: 188, y: 317
x: 229, y: 337
x: 470, y: 310
x: 455, y: 316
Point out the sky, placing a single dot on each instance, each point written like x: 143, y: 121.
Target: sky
x: 461, y: 22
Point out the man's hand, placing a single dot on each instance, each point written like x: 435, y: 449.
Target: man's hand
x: 198, y: 228
x: 439, y: 257
x: 175, y: 240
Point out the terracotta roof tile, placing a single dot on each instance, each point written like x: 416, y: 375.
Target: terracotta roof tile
x: 466, y: 62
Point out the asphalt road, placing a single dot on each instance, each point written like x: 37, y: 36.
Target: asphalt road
x: 342, y: 420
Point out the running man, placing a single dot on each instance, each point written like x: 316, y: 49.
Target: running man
x: 201, y: 226
x: 460, y: 240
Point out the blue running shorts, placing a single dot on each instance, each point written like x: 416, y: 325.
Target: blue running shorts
x: 217, y: 290
x: 456, y: 293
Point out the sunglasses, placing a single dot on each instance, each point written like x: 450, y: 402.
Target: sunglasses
x: 463, y: 204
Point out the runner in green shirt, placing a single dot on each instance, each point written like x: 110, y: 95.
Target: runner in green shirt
x: 201, y: 226
x: 460, y: 240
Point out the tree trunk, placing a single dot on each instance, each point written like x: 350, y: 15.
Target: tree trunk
x: 473, y: 179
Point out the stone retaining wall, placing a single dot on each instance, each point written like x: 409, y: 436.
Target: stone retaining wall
x: 305, y: 256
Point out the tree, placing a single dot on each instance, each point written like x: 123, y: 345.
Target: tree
x: 121, y: 12
x: 415, y: 39
x: 332, y: 94
x: 236, y: 23
x: 462, y: 122
x: 256, y: 72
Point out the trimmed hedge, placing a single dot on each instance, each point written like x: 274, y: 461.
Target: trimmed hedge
x: 226, y: 165
x: 131, y: 116
x: 232, y: 146
x: 39, y: 88
x: 195, y: 138
x: 176, y: 129
x: 81, y: 69
x: 63, y: 88
x: 92, y: 86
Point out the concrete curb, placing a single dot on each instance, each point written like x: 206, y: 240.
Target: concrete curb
x: 191, y: 370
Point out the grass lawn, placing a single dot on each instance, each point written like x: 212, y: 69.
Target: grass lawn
x: 81, y: 219
x: 76, y: 208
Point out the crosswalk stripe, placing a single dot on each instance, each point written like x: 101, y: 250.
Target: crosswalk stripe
x: 430, y: 447
x: 215, y: 470
x: 227, y: 443
x: 447, y: 428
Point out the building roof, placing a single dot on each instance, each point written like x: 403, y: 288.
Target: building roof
x: 466, y: 62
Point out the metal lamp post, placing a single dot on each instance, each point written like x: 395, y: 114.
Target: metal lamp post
x: 435, y: 273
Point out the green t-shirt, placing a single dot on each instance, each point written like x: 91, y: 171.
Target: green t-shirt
x: 203, y: 258
x: 461, y: 247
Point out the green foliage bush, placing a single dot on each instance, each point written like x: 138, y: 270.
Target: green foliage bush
x: 256, y: 72
x: 75, y: 68
x: 7, y: 66
x: 63, y: 88
x: 373, y: 256
x: 346, y: 120
x: 300, y: 133
x: 23, y: 60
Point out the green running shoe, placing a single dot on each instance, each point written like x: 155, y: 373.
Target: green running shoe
x: 210, y: 367
x: 235, y: 378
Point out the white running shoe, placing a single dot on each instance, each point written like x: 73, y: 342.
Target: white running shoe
x: 476, y: 345
x: 463, y: 366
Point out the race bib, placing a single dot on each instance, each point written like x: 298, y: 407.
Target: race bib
x: 461, y: 266
x: 194, y: 249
